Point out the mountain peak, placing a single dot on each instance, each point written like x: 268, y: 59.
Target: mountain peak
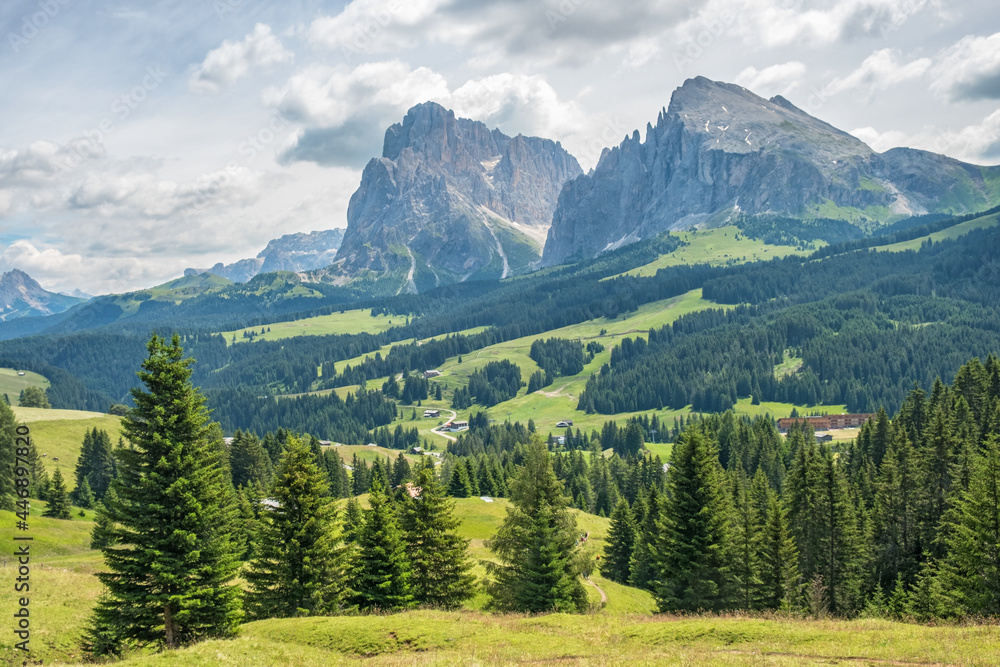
x: 719, y: 150
x: 22, y: 296
x: 451, y: 200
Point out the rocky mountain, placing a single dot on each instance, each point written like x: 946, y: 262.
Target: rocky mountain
x: 291, y: 252
x: 22, y: 296
x: 451, y: 200
x: 720, y: 150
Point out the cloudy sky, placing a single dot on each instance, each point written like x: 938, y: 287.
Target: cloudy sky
x: 138, y: 139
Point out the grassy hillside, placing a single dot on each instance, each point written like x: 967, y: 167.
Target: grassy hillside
x: 348, y: 322
x: 11, y: 383
x: 452, y: 638
x: 716, y: 246
x: 622, y: 632
x: 58, y: 434
x: 950, y: 233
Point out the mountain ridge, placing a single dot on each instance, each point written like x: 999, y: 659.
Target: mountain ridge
x: 719, y: 149
x: 296, y: 252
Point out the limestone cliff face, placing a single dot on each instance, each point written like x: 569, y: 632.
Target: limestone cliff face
x: 452, y: 200
x: 719, y: 149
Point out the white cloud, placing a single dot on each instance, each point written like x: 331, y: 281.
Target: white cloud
x: 233, y: 60
x: 571, y: 32
x: 775, y: 80
x: 969, y: 70
x: 804, y: 23
x: 978, y: 143
x: 331, y: 96
x: 879, y: 71
x: 346, y: 111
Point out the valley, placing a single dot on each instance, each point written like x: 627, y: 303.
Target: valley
x: 614, y: 349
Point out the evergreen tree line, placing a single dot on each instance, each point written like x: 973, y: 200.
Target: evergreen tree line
x: 710, y: 359
x: 558, y: 356
x: 903, y: 523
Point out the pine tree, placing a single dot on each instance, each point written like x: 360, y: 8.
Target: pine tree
x: 747, y: 536
x: 360, y: 480
x: 84, y: 496
x: 354, y: 519
x: 690, y: 553
x: 8, y: 449
x: 536, y: 545
x: 33, y: 397
x: 460, y: 486
x: 39, y: 479
x: 617, y: 561
x: 642, y: 568
x: 779, y: 571
x: 439, y: 556
x: 896, y: 544
x: 249, y: 461
x: 102, y: 534
x: 169, y: 579
x: 970, y: 571
x: 299, y: 567
x: 96, y: 464
x: 381, y: 576
x: 248, y: 501
x: 58, y: 499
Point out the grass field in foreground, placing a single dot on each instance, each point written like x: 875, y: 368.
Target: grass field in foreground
x: 473, y: 638
x: 348, y: 322
x: 11, y: 383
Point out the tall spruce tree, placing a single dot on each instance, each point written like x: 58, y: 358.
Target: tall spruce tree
x: 381, y: 575
x: 642, y: 568
x: 747, y: 536
x: 169, y: 579
x: 779, y: 571
x: 96, y: 464
x: 102, y: 534
x: 440, y: 566
x: 8, y: 450
x: 617, y: 562
x: 57, y: 498
x: 896, y: 545
x: 970, y: 572
x: 538, y: 570
x: 692, y: 550
x: 300, y: 566
x: 249, y: 461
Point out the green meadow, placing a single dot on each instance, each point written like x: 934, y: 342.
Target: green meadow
x: 58, y: 434
x: 348, y: 322
x: 716, y: 246
x: 12, y: 382
x: 945, y: 234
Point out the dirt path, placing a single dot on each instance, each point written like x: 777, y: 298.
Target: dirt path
x: 556, y: 393
x: 604, y: 596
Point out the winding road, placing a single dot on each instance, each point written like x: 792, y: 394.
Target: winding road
x: 435, y: 431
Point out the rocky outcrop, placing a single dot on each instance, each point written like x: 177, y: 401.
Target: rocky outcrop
x: 452, y: 200
x: 292, y: 252
x: 22, y: 296
x: 718, y: 149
